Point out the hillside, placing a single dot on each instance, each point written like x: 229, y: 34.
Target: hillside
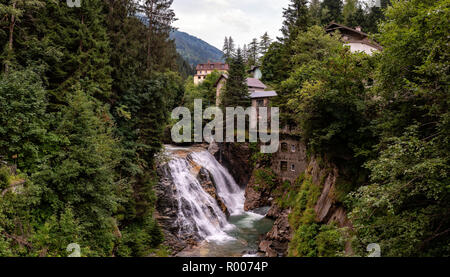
x: 195, y: 50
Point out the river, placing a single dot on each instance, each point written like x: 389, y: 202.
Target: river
x: 199, y: 213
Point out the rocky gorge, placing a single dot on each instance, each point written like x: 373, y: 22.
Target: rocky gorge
x: 246, y: 191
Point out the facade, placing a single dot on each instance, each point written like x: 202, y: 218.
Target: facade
x: 355, y: 38
x: 205, y: 69
x: 258, y: 94
x: 290, y: 160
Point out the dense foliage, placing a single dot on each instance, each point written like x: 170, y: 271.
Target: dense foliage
x: 382, y: 119
x: 84, y: 99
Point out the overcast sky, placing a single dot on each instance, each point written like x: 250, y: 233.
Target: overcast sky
x: 212, y: 20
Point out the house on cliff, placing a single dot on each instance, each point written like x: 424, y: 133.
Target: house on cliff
x: 355, y: 38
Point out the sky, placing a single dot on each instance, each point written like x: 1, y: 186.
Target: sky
x: 212, y: 20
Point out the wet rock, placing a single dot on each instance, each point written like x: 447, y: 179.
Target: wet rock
x: 256, y: 195
x: 275, y: 243
x: 236, y: 158
x: 208, y: 185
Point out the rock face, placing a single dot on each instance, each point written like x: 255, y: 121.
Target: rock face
x: 167, y: 210
x: 204, y: 177
x: 275, y: 242
x: 236, y: 158
x: 167, y: 207
x: 256, y: 196
x: 328, y: 209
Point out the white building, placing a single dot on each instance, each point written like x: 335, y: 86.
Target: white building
x: 355, y: 38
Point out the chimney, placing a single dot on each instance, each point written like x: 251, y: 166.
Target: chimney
x: 209, y: 61
x: 358, y: 28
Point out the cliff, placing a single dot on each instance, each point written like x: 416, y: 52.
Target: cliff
x: 309, y: 177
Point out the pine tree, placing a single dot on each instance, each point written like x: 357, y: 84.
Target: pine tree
x: 75, y: 49
x: 264, y: 44
x: 226, y: 49
x: 245, y: 53
x: 253, y: 52
x: 159, y: 17
x: 296, y: 19
x: 333, y: 10
x: 315, y: 10
x: 15, y: 11
x: 349, y: 11
x: 236, y: 90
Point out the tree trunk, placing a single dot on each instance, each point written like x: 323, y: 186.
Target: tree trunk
x: 11, y: 35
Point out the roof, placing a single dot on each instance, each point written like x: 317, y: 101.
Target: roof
x: 251, y: 82
x: 215, y: 66
x: 255, y: 83
x: 363, y: 37
x: 263, y: 94
x: 253, y: 68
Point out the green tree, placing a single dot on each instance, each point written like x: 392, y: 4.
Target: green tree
x: 79, y: 170
x: 264, y: 44
x: 23, y: 118
x: 333, y: 10
x: 296, y: 19
x: 405, y: 206
x: 236, y: 90
x: 228, y: 49
x: 253, y: 52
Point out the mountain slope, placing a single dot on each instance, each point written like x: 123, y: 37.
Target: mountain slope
x: 195, y: 50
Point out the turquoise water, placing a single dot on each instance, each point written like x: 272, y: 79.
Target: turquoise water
x: 242, y: 240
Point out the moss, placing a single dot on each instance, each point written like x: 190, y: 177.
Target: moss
x: 265, y: 178
x: 311, y: 239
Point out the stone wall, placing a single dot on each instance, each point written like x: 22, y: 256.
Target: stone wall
x: 292, y: 154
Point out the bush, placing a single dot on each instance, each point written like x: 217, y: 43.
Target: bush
x: 4, y: 177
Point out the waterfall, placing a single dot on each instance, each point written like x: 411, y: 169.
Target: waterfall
x: 227, y: 189
x: 198, y: 212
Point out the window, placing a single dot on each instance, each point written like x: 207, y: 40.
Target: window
x: 292, y: 148
x: 222, y: 66
x: 283, y: 166
x: 212, y: 66
x: 260, y: 102
x: 284, y: 147
x: 292, y: 167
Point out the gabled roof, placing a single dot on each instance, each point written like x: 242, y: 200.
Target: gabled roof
x: 263, y: 94
x: 255, y: 83
x: 251, y: 82
x: 361, y: 36
x: 333, y: 26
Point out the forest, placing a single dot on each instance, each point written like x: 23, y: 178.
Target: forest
x: 85, y: 101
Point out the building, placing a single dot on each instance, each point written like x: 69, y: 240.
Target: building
x: 260, y: 97
x: 258, y: 94
x: 355, y: 38
x: 204, y: 69
x: 255, y: 71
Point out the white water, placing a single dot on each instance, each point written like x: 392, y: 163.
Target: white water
x: 199, y: 213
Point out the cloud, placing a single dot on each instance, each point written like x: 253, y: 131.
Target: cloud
x: 212, y: 20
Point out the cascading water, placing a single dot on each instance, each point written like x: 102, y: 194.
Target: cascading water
x: 199, y: 213
x: 227, y: 189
